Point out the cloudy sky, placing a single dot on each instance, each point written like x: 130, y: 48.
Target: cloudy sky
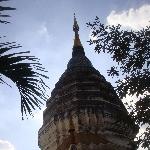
x: 45, y: 28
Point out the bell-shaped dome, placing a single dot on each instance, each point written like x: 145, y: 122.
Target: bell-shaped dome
x: 78, y: 58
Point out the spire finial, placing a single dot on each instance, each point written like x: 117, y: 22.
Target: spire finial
x: 76, y: 29
x: 75, y: 26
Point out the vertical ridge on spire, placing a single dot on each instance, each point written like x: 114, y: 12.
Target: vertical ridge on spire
x: 71, y: 130
x: 77, y: 41
x: 72, y: 136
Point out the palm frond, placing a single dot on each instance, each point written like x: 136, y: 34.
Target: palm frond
x: 3, y: 9
x: 27, y: 73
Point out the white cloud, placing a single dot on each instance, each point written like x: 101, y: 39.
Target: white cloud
x: 35, y: 37
x: 132, y: 18
x: 129, y: 98
x: 5, y: 145
x: 134, y: 98
x: 43, y: 33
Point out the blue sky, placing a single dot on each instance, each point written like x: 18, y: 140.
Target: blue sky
x: 45, y: 28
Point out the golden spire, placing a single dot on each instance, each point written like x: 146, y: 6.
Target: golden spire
x: 77, y: 41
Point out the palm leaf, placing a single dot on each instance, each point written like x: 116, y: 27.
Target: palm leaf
x: 27, y: 73
x: 2, y: 9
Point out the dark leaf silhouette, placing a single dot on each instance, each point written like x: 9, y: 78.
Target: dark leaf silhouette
x: 131, y: 51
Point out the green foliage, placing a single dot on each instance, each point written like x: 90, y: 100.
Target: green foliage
x: 24, y: 70
x: 131, y: 51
